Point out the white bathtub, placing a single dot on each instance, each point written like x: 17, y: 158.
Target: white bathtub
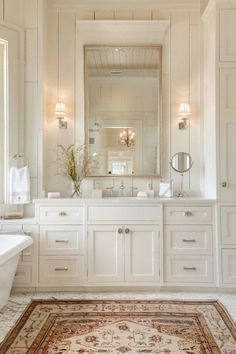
x: 11, y: 245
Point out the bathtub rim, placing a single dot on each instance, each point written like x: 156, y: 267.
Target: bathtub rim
x: 23, y: 241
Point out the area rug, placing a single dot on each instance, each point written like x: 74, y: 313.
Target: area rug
x: 75, y: 326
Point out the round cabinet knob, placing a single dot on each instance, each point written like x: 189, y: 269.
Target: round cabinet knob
x: 224, y: 184
x: 188, y: 213
x: 127, y: 231
x: 120, y: 231
x: 62, y: 213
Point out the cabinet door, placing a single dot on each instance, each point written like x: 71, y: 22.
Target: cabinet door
x: 227, y: 34
x: 228, y: 225
x: 105, y: 254
x: 229, y: 266
x: 228, y: 134
x: 141, y: 253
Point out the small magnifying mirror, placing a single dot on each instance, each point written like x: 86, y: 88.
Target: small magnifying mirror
x: 181, y: 162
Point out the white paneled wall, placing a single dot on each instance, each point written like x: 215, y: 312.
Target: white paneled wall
x: 181, y: 72
x: 12, y: 16
x: 13, y: 11
x: 31, y: 92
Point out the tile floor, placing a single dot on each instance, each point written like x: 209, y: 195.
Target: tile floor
x: 17, y: 303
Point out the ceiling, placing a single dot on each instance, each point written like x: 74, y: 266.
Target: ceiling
x: 123, y: 58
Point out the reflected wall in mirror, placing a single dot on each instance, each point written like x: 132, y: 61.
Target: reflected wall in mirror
x: 123, y: 109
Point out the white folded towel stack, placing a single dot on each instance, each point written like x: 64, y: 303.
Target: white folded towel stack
x: 19, y: 185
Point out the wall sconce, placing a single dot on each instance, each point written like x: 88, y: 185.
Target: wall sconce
x: 60, y: 113
x: 184, y: 112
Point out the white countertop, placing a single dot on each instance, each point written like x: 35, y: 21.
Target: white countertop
x: 25, y: 220
x: 125, y: 200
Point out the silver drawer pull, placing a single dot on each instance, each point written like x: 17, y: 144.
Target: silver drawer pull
x: 127, y: 231
x: 62, y: 213
x: 224, y: 184
x: 188, y: 213
x: 65, y: 269
x: 191, y: 241
x: 190, y: 268
x: 28, y: 233
x: 120, y: 231
x: 62, y: 241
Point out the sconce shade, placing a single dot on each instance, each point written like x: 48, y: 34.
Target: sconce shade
x: 184, y: 110
x: 60, y: 110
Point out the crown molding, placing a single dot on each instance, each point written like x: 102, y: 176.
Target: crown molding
x: 211, y: 6
x: 106, y: 25
x: 115, y: 2
x: 93, y: 5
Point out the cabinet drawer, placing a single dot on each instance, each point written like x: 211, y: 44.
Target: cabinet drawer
x: 23, y: 275
x: 61, y: 240
x: 187, y: 214
x: 228, y: 225
x: 123, y: 213
x: 229, y: 266
x: 189, y: 269
x: 61, y: 270
x: 185, y: 239
x: 63, y: 215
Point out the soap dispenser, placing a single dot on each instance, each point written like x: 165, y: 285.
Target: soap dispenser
x: 97, y: 192
x: 122, y: 187
x: 150, y: 191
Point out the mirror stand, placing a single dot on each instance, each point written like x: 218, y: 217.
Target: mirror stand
x: 181, y: 162
x: 181, y: 193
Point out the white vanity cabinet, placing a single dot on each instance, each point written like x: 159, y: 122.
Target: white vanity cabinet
x: 228, y: 245
x: 126, y: 242
x: 123, y: 253
x: 189, y: 245
x: 62, y: 244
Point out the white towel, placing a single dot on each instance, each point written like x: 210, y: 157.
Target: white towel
x: 19, y: 185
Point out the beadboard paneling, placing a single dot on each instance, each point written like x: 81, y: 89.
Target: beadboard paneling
x: 14, y: 12
x: 31, y: 126
x: 179, y: 85
x: 195, y: 150
x: 181, y: 75
x: 31, y: 55
x: 31, y: 15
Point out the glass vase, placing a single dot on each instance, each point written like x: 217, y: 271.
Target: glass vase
x: 76, y: 189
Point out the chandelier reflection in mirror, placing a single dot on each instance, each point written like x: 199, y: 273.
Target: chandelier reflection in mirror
x: 127, y: 138
x: 122, y: 109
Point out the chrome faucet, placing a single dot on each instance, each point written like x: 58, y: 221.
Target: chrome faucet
x: 122, y: 187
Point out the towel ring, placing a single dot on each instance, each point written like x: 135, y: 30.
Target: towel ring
x: 17, y: 157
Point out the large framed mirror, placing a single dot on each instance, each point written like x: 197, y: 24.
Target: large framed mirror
x: 123, y: 109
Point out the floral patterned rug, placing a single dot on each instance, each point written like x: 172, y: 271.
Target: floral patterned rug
x: 93, y: 326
